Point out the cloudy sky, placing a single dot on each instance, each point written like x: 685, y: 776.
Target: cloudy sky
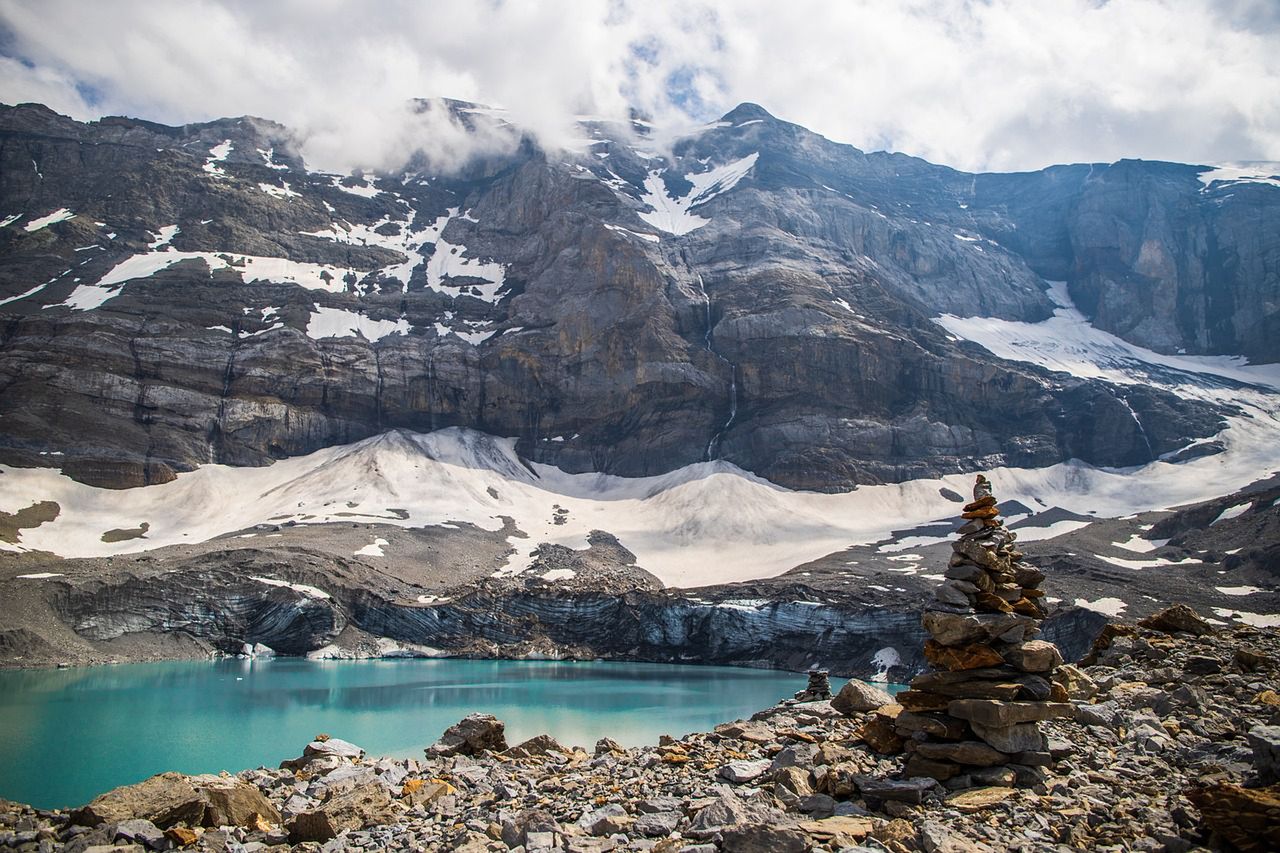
x: 976, y: 84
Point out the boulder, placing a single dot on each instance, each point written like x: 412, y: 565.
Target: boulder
x: 473, y: 734
x: 233, y: 802
x: 858, y: 697
x: 536, y: 745
x: 368, y: 805
x: 165, y: 800
x: 1075, y: 682
x: 1265, y: 742
x: 1175, y: 619
x: 1243, y: 816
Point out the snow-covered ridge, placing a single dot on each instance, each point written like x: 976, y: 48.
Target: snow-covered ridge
x: 705, y: 523
x: 1259, y: 172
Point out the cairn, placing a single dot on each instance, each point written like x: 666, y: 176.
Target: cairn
x: 819, y: 687
x: 973, y: 718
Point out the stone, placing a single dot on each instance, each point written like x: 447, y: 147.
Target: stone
x: 1175, y: 619
x: 857, y: 697
x: 1016, y: 737
x: 962, y: 752
x: 995, y: 713
x: 744, y: 771
x: 937, y: 725
x: 165, y: 799
x: 978, y: 799
x: 368, y: 805
x: 1202, y: 665
x: 333, y: 746
x: 182, y: 836
x: 950, y: 593
x: 1265, y: 743
x: 881, y: 735
x: 763, y: 838
x: 535, y: 746
x: 142, y: 831
x: 920, y: 700
x: 1249, y: 818
x: 656, y: 824
x: 473, y: 734
x: 839, y: 831
x: 920, y: 765
x: 957, y: 629
x: 232, y: 802
x: 910, y: 790
x: 972, y: 656
x: 1075, y: 682
x: 1032, y: 656
x: 421, y: 792
x: 606, y: 745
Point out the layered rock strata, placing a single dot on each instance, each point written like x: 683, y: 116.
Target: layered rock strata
x: 972, y: 719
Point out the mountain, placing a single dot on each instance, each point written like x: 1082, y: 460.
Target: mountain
x: 742, y: 359
x: 759, y: 295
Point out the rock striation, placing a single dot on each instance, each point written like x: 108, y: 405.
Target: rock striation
x: 973, y: 718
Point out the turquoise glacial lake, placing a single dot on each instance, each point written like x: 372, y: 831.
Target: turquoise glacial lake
x: 68, y: 735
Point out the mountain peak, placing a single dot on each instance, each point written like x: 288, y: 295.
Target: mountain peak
x: 746, y: 111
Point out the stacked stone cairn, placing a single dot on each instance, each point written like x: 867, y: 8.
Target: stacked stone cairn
x: 973, y: 718
x: 818, y: 689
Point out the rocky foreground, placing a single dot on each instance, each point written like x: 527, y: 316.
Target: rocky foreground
x: 1173, y: 744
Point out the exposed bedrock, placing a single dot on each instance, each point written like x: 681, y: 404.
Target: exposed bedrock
x: 791, y: 334
x: 305, y: 607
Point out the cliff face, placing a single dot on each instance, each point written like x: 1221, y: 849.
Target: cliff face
x: 176, y: 296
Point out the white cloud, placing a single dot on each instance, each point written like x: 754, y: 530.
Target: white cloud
x: 978, y: 84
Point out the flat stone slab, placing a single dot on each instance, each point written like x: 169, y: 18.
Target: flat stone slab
x: 992, y: 712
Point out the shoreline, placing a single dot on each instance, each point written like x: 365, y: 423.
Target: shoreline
x: 1162, y: 744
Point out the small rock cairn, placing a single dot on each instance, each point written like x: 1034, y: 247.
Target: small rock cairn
x: 818, y: 689
x: 973, y: 718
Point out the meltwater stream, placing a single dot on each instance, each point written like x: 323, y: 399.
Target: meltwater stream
x: 71, y: 734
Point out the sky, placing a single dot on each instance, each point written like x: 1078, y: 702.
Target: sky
x: 981, y: 85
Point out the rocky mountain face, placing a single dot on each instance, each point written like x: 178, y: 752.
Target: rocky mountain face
x: 750, y: 292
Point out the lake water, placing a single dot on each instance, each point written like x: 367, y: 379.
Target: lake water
x: 68, y: 735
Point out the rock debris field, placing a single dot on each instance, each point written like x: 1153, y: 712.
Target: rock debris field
x: 1172, y: 743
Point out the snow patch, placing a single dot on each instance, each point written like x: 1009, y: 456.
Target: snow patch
x: 217, y: 154
x: 59, y: 215
x: 1105, y: 606
x: 1232, y: 512
x: 672, y: 214
x: 40, y: 576
x: 164, y: 236
x: 1257, y: 620
x: 558, y: 575
x: 309, y: 591
x: 1238, y: 590
x: 1067, y: 342
x: 884, y: 660
x: 373, y: 549
x: 341, y: 323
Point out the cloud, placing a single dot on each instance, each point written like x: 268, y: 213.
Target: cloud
x: 977, y: 84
